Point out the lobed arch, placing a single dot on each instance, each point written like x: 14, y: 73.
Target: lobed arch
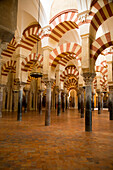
x: 71, y: 83
x: 27, y: 63
x: 70, y: 71
x: 63, y: 53
x: 101, y: 11
x: 9, y: 65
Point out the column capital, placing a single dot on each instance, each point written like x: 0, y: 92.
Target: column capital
x: 88, y: 78
x: 111, y: 88
x: 81, y: 89
x: 20, y: 84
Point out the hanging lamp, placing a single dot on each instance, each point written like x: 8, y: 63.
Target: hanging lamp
x: 35, y: 73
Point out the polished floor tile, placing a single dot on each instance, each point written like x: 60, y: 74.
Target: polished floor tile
x: 62, y: 146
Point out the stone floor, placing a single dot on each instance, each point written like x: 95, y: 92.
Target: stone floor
x: 62, y: 146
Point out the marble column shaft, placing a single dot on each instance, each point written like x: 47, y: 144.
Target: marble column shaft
x: 99, y: 102
x: 26, y: 100
x: 63, y: 102
x: 111, y: 103
x: 93, y: 101
x: 79, y: 102
x: 1, y: 100
x: 82, y: 103
x: 48, y: 104
x: 59, y: 103
x: 40, y: 102
x: 88, y: 78
x: 19, y: 116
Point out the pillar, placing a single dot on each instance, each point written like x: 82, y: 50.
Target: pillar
x: 111, y: 102
x: 20, y: 96
x: 26, y: 100
x: 102, y: 103
x: 66, y: 101
x: 19, y: 116
x: 93, y: 101
x: 1, y: 100
x: 82, y: 102
x: 99, y: 101
x: 59, y: 103
x: 63, y: 102
x: 40, y: 101
x: 79, y: 101
x: 48, y: 103
x: 88, y: 78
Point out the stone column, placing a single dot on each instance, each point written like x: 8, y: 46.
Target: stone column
x: 82, y: 102
x: 102, y: 103
x: 111, y: 102
x: 66, y: 101
x: 26, y: 100
x: 59, y: 103
x: 1, y: 99
x: 13, y: 100
x: 79, y: 101
x: 99, y: 101
x: 20, y: 86
x: 40, y: 101
x: 88, y: 78
x: 63, y: 102
x: 19, y: 116
x: 48, y: 103
x: 93, y: 101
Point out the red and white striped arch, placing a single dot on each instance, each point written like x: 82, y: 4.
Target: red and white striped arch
x: 63, y: 53
x: 101, y: 69
x: 104, y: 82
x: 62, y: 23
x: 102, y: 10
x: 70, y: 71
x: 100, y: 44
x: 28, y: 62
x: 29, y: 37
x: 95, y: 83
x: 10, y: 49
x: 71, y: 84
x: 9, y: 65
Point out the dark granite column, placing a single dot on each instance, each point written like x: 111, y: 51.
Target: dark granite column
x: 99, y: 101
x: 40, y: 101
x: 48, y: 103
x: 79, y: 101
x: 20, y: 96
x: 88, y: 78
x: 26, y: 100
x: 63, y: 102
x: 1, y: 100
x: 59, y: 103
x: 82, y: 102
x: 20, y: 86
x: 66, y: 101
x: 13, y: 100
x: 93, y: 101
x: 102, y: 103
x: 111, y: 102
